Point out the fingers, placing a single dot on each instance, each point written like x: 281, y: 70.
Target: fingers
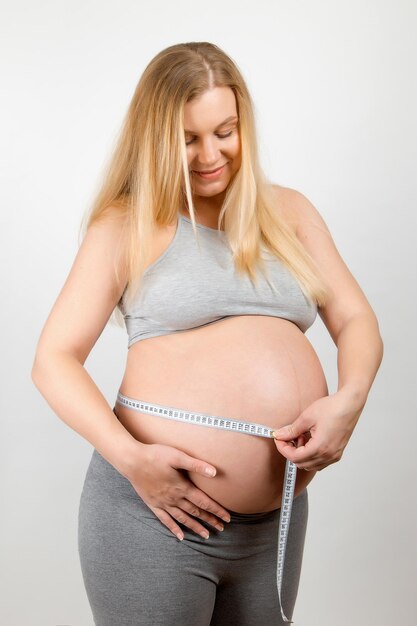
x: 190, y: 521
x: 200, y: 499
x: 194, y: 510
x: 187, y: 520
x: 167, y: 521
x: 296, y: 454
x: 184, y: 461
x: 302, y: 439
x: 195, y: 503
x: 294, y: 430
x: 202, y: 514
x: 211, y: 519
x: 180, y: 500
x: 172, y: 513
x: 309, y: 457
x: 194, y: 496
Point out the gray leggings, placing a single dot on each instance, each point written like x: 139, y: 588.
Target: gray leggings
x: 136, y: 573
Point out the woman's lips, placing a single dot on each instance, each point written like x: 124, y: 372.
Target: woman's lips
x: 211, y: 175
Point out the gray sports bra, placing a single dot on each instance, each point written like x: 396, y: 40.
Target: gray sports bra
x: 194, y: 283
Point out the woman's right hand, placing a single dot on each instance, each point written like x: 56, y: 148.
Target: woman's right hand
x: 165, y: 489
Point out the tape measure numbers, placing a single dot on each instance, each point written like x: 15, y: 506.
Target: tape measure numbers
x: 246, y: 428
x: 284, y: 525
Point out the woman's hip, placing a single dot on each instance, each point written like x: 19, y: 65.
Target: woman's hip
x: 110, y: 507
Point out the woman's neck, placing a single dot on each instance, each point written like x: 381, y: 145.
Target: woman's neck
x: 206, y: 209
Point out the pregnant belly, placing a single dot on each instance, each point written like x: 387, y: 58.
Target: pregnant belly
x: 252, y: 368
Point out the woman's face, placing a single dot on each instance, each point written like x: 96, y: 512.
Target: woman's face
x: 212, y: 140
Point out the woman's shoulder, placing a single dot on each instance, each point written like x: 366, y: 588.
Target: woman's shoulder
x: 296, y: 209
x: 115, y: 213
x: 107, y: 234
x: 111, y: 223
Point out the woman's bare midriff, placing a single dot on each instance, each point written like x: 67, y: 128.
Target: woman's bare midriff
x: 253, y: 368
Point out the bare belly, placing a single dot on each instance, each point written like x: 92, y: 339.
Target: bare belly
x: 252, y: 368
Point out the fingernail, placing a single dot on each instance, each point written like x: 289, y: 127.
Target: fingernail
x: 210, y: 472
x: 219, y: 527
x: 180, y: 536
x: 205, y: 534
x: 226, y: 518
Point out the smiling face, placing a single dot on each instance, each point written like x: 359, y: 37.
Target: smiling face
x: 212, y: 143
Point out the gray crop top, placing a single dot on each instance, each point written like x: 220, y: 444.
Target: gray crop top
x: 192, y: 285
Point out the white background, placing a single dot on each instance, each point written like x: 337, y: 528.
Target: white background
x: 334, y: 87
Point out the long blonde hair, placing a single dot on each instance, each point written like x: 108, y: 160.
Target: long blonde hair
x: 147, y: 178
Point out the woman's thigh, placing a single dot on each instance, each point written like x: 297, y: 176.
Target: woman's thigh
x: 135, y: 572
x: 248, y: 594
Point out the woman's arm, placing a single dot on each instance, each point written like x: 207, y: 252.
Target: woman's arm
x: 74, y: 325
x: 359, y: 355
x: 75, y: 398
x: 353, y: 326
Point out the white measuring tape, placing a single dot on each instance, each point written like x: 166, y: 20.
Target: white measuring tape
x: 248, y: 428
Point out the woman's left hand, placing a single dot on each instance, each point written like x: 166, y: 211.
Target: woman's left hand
x: 319, y: 435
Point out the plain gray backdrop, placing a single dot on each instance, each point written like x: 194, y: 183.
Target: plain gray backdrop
x: 334, y: 87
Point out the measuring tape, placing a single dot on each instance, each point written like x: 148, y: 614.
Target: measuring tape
x: 284, y: 525
x: 248, y: 428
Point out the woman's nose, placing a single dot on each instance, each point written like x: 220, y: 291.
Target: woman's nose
x: 209, y: 153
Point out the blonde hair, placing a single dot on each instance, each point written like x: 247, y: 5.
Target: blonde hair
x: 147, y: 178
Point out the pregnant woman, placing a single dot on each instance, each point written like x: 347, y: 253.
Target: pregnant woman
x: 194, y: 506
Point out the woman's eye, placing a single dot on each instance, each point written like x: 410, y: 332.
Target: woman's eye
x: 219, y: 136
